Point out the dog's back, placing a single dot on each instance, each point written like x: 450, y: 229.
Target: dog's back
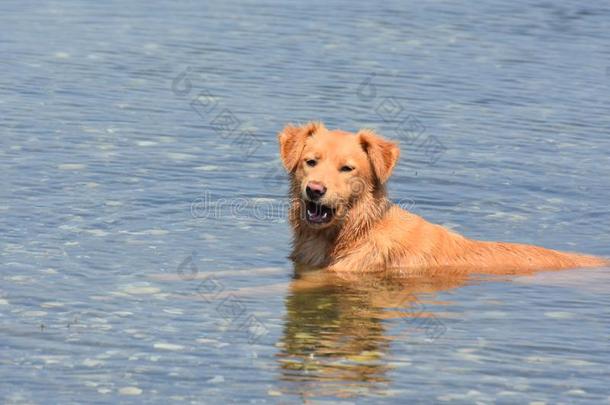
x: 426, y: 245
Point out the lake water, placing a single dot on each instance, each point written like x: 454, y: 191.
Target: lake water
x: 143, y: 248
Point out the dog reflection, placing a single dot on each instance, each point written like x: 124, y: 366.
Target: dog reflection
x: 337, y: 334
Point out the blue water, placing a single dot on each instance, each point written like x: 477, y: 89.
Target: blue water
x: 142, y: 205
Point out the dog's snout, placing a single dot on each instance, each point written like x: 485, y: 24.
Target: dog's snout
x: 315, y: 190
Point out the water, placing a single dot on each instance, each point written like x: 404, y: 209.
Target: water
x: 143, y: 248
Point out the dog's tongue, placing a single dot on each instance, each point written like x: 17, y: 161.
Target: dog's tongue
x: 316, y: 213
x: 314, y: 216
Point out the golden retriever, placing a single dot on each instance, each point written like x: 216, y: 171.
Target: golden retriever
x: 343, y: 220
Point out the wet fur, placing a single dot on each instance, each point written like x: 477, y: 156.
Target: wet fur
x: 373, y: 234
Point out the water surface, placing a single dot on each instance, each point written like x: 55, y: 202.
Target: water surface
x: 142, y: 205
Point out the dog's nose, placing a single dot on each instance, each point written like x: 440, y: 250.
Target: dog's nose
x: 315, y: 190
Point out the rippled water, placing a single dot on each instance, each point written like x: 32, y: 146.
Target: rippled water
x: 143, y: 249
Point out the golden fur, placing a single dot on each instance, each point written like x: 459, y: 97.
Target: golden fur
x: 368, y: 233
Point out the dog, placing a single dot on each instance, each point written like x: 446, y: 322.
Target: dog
x: 343, y: 221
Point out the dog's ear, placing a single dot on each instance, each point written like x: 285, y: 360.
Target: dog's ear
x: 292, y: 141
x: 383, y: 154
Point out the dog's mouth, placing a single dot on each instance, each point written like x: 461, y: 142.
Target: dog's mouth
x: 317, y: 213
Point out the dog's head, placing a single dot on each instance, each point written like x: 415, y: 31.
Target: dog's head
x: 331, y: 170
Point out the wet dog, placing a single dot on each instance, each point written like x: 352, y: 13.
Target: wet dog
x: 343, y: 220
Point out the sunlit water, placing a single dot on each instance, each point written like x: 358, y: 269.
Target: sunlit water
x: 143, y: 248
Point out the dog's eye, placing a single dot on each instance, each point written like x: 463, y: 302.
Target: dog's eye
x: 311, y: 162
x: 346, y: 168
